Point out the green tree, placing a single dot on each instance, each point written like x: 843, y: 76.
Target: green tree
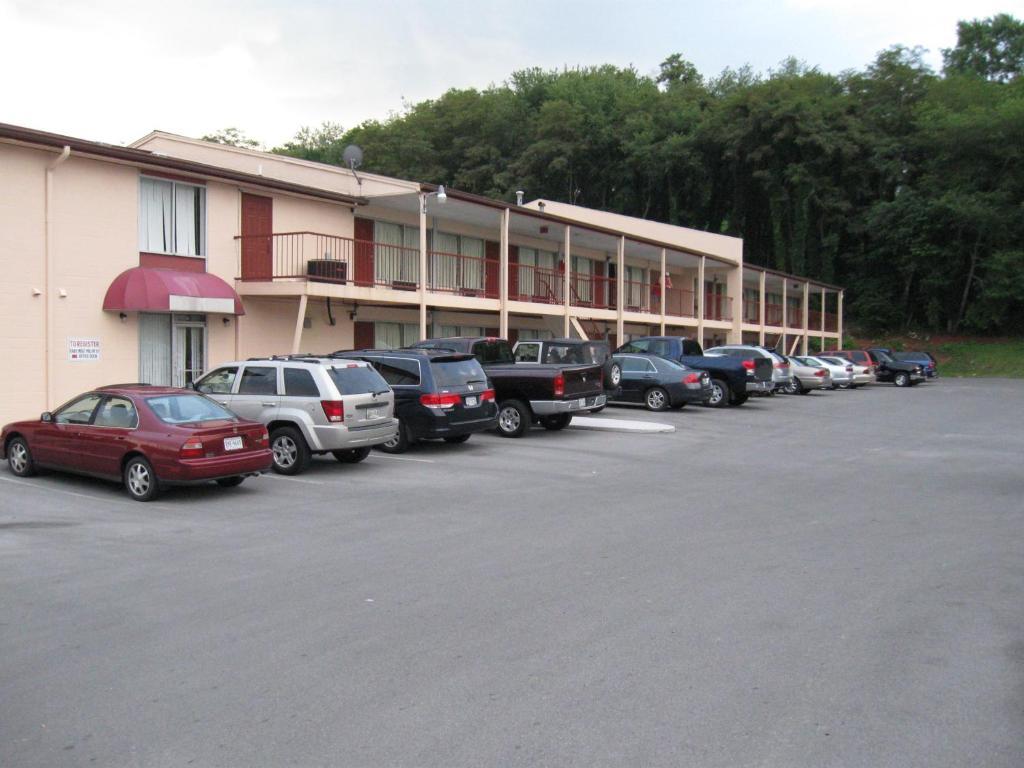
x: 992, y: 48
x: 233, y: 137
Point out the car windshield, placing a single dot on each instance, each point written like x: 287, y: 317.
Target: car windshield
x: 458, y: 373
x: 882, y: 355
x: 188, y: 409
x: 357, y: 379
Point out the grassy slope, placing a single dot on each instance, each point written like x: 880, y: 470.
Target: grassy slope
x: 962, y: 355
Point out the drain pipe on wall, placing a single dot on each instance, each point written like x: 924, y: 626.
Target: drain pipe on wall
x: 48, y: 271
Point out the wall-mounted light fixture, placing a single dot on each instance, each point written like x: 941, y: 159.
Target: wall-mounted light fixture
x: 441, y: 196
x: 123, y: 316
x: 226, y: 321
x: 37, y: 291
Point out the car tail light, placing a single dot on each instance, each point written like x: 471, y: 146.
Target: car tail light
x: 191, y: 449
x: 559, y: 385
x: 263, y: 438
x: 782, y: 365
x: 749, y: 364
x: 691, y: 378
x: 487, y: 394
x: 334, y: 410
x: 821, y: 372
x: 436, y: 400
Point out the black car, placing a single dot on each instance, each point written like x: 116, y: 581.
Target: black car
x: 439, y: 395
x: 660, y: 383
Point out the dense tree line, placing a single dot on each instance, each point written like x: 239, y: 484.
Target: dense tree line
x: 903, y: 184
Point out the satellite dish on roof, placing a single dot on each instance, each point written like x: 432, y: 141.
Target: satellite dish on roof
x: 352, y: 156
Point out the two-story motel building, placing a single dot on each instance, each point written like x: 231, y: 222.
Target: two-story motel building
x: 157, y: 261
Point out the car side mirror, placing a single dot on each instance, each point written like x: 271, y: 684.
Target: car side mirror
x: 192, y: 385
x: 46, y: 417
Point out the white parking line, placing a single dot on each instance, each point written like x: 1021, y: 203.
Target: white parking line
x: 272, y: 476
x: 400, y: 458
x: 66, y: 493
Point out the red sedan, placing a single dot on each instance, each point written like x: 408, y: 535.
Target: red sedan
x: 143, y: 436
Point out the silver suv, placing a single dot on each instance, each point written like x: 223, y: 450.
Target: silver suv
x: 309, y: 405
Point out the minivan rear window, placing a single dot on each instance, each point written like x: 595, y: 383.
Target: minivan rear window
x: 457, y: 373
x: 358, y: 380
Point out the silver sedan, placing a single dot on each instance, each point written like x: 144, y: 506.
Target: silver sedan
x: 807, y: 375
x: 840, y: 370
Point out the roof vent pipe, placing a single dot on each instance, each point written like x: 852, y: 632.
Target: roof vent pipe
x: 541, y: 207
x: 519, y: 197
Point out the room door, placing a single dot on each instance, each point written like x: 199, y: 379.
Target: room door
x: 257, y: 240
x: 188, y: 351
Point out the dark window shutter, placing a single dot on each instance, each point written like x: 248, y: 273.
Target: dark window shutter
x: 365, y: 335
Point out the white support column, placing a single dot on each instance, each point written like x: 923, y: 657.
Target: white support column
x: 620, y: 294
x: 506, y: 214
x: 807, y: 309
x: 300, y: 320
x: 423, y: 265
x: 663, y: 289
x: 760, y: 305
x: 701, y: 297
x: 567, y: 280
x: 824, y: 303
x: 839, y: 321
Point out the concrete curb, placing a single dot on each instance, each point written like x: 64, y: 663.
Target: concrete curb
x: 620, y: 425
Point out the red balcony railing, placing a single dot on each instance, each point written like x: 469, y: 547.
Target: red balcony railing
x: 463, y: 275
x: 813, y: 320
x: 794, y: 317
x: 536, y: 284
x: 717, y: 307
x: 636, y: 296
x: 831, y: 322
x: 678, y: 303
x: 773, y: 314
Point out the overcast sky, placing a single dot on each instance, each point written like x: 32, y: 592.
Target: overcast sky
x: 112, y: 71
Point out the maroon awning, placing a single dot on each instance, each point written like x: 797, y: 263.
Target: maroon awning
x: 151, y: 289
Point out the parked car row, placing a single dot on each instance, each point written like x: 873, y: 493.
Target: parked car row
x: 275, y: 413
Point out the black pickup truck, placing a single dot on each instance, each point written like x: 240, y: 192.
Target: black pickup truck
x: 732, y: 380
x: 528, y: 394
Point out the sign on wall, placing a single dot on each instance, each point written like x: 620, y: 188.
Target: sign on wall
x: 81, y: 350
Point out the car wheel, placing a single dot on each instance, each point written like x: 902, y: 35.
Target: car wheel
x: 555, y: 423
x: 19, y: 458
x: 513, y: 419
x: 739, y: 399
x: 720, y: 394
x: 230, y: 482
x: 291, y: 454
x: 901, y: 379
x: 455, y: 439
x: 351, y: 455
x: 615, y: 375
x: 399, y: 443
x: 656, y: 399
x: 792, y: 386
x: 140, y: 480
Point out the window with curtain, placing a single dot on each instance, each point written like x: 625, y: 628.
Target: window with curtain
x: 537, y: 272
x: 634, y: 288
x: 583, y: 269
x: 448, y: 331
x: 172, y: 217
x: 396, y: 253
x: 395, y: 335
x: 449, y: 269
x: 533, y: 334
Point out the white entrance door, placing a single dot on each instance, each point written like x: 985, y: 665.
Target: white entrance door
x: 188, y: 352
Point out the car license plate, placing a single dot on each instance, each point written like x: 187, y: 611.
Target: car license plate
x: 374, y: 413
x: 583, y: 402
x: 471, y: 402
x: 232, y: 443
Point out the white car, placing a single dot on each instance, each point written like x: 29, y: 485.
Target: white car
x: 808, y: 375
x: 841, y: 370
x: 862, y: 374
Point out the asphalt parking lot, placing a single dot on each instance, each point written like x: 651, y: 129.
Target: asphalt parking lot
x: 830, y: 580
